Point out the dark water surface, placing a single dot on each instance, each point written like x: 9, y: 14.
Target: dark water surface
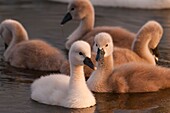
x: 42, y: 19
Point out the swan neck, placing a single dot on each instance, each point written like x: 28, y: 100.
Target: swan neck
x: 77, y: 76
x: 141, y: 47
x: 19, y: 34
x: 106, y: 66
x: 85, y: 26
x: 99, y: 78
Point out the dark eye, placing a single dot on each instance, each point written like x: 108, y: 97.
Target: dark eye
x: 80, y: 53
x: 72, y: 8
x: 106, y: 45
x: 96, y: 45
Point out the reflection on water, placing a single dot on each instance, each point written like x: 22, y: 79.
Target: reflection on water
x: 133, y: 102
x: 42, y: 20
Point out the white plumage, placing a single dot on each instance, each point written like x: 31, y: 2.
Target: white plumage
x: 62, y: 90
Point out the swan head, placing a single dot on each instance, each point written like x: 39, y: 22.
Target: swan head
x: 155, y: 53
x: 103, y: 45
x: 78, y: 10
x: 80, y: 54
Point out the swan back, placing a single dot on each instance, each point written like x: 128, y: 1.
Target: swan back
x: 139, y: 77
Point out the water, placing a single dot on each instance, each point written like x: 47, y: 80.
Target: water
x: 42, y: 20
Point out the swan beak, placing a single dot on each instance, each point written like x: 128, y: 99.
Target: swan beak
x: 156, y: 60
x: 66, y: 18
x: 156, y: 53
x: 100, y: 54
x: 6, y: 46
x: 87, y: 61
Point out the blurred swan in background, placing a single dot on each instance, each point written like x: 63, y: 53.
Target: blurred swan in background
x: 141, y: 4
x: 30, y: 54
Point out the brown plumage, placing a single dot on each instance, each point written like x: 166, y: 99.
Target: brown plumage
x: 131, y: 77
x: 139, y: 77
x: 29, y: 54
x: 83, y: 10
x: 147, y: 38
